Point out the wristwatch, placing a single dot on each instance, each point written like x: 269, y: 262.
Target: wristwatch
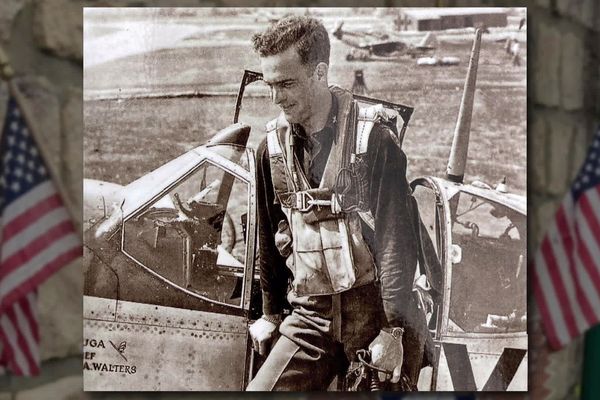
x: 395, y: 332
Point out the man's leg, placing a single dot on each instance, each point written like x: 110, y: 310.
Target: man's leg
x: 291, y: 368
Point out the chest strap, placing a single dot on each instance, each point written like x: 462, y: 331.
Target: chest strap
x: 282, y: 176
x: 303, y: 200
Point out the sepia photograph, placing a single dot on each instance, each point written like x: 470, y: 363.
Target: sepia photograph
x: 305, y: 199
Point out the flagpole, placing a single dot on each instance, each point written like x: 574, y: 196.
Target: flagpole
x: 7, y: 74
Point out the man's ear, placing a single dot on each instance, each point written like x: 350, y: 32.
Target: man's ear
x: 321, y: 71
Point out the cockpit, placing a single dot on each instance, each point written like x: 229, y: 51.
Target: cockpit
x: 488, y: 284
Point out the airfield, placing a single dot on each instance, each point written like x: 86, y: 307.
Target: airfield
x: 196, y: 59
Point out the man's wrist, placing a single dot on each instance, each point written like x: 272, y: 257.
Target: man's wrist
x: 275, y: 319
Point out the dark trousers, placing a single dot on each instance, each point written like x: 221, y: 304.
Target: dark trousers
x: 308, y: 356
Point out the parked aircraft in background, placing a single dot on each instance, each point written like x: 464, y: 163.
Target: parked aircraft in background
x: 379, y: 46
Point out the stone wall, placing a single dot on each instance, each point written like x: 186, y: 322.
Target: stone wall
x: 563, y: 111
x: 44, y: 41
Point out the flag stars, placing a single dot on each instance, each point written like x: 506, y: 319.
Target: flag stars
x: 23, y: 145
x: 588, y: 167
x: 11, y: 140
x: 29, y: 177
x: 18, y: 172
x: 30, y: 164
x: 41, y: 170
x: 15, y: 187
x: 25, y: 131
x: 21, y: 159
x: 16, y: 113
x: 33, y: 151
x: 14, y: 126
x: 586, y: 179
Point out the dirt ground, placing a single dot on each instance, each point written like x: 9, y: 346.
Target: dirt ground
x: 128, y: 137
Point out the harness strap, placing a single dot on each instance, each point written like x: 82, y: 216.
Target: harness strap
x: 367, y: 117
x: 273, y: 143
x: 279, y: 168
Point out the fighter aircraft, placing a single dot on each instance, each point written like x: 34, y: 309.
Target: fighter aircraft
x: 367, y: 46
x: 171, y: 284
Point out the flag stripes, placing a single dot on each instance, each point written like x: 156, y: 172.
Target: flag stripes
x: 20, y: 335
x: 566, y: 268
x: 37, y: 238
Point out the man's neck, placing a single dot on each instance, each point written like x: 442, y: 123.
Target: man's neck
x: 321, y: 107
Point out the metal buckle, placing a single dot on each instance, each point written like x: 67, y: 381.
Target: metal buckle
x: 302, y: 204
x: 305, y: 201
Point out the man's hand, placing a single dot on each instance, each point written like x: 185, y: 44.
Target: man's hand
x: 263, y: 333
x: 387, y: 353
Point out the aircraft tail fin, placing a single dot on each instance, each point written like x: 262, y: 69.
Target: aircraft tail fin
x: 429, y: 41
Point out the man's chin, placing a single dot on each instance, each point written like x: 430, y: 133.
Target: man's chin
x: 291, y: 118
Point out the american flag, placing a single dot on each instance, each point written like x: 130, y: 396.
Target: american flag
x: 37, y: 237
x: 566, y: 268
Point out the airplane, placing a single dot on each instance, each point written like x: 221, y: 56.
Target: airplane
x: 369, y: 46
x: 171, y: 282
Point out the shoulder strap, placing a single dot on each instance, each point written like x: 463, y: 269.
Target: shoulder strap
x: 277, y: 157
x: 366, y: 119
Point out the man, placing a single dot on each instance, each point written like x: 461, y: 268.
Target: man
x: 336, y: 309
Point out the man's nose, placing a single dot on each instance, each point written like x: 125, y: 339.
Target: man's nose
x: 277, y: 96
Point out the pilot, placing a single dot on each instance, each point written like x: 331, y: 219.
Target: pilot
x: 349, y: 287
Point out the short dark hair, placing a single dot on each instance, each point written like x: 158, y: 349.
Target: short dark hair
x: 307, y: 34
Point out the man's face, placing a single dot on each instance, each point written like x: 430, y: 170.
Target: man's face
x: 292, y: 84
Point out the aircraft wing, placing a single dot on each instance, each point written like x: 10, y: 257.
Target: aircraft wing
x: 385, y: 48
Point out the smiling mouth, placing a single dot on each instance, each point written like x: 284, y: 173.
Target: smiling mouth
x: 287, y: 108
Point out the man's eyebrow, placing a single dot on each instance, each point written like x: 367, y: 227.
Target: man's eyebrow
x: 271, y: 83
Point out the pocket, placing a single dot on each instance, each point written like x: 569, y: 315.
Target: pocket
x: 337, y: 252
x: 322, y: 256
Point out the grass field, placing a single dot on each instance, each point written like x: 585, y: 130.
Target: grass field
x: 126, y: 138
